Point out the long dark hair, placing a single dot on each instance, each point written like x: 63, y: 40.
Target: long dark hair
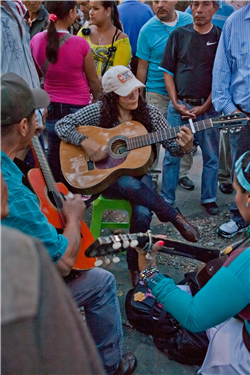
x: 109, y: 115
x: 114, y: 13
x: 61, y: 9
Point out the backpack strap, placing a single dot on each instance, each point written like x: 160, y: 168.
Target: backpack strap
x: 46, y: 63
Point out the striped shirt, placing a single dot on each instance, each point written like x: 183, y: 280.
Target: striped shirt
x: 90, y: 115
x: 25, y: 213
x: 231, y: 73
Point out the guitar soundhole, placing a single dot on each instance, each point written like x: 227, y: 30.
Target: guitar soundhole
x: 118, y: 147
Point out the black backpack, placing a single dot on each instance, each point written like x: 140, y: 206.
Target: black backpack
x: 147, y: 315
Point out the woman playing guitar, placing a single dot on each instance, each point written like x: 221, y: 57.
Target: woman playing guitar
x: 226, y: 294
x: 120, y: 103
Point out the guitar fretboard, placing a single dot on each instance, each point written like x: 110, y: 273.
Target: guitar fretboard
x: 159, y: 136
x: 47, y: 174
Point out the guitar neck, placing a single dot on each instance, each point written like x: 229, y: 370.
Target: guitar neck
x: 163, y: 135
x: 45, y: 168
x: 111, y: 245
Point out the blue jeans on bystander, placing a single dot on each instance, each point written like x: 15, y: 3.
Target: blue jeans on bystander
x: 209, y: 144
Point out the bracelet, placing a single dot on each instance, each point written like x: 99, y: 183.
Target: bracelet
x: 149, y: 272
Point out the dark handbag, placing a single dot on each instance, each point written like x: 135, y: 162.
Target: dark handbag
x: 185, y: 347
x: 147, y: 315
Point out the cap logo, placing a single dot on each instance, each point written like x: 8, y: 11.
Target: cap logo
x: 125, y: 76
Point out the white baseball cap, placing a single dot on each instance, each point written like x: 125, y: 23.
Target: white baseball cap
x: 120, y: 80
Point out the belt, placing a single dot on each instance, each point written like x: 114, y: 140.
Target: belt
x: 192, y: 101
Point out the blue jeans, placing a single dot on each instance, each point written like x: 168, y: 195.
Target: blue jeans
x: 239, y: 144
x: 209, y: 144
x: 56, y: 111
x: 144, y: 200
x: 96, y: 291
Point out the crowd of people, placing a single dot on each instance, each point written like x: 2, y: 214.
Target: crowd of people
x: 66, y: 64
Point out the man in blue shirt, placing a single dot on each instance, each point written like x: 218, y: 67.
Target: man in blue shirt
x: 133, y: 15
x: 94, y: 289
x: 150, y: 48
x: 231, y: 92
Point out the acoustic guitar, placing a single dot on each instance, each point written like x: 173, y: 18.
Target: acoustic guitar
x: 107, y: 248
x: 129, y: 151
x: 50, y: 195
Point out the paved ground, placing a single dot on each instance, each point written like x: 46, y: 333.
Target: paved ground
x: 150, y: 360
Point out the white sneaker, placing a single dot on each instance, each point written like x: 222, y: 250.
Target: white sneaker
x: 230, y: 229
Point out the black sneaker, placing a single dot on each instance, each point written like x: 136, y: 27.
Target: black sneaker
x: 186, y: 183
x: 211, y: 208
x: 230, y: 229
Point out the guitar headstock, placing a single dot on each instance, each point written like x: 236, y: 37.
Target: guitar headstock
x: 108, y: 247
x: 233, y: 122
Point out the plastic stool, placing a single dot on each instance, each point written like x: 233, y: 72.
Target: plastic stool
x: 99, y: 206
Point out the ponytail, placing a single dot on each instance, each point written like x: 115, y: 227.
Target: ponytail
x: 114, y: 13
x: 115, y: 16
x: 52, y: 45
x: 58, y: 10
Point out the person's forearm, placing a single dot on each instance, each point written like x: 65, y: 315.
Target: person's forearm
x: 170, y: 87
x: 142, y: 70
x: 66, y: 130
x: 207, y: 105
x: 95, y: 89
x: 220, y: 299
x: 72, y: 233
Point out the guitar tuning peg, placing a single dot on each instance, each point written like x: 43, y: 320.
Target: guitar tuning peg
x: 133, y: 243
x: 224, y: 131
x: 116, y: 245
x: 125, y: 244
x: 237, y: 130
x: 232, y: 130
x: 148, y: 256
x: 107, y: 261
x: 98, y: 262
x: 116, y: 259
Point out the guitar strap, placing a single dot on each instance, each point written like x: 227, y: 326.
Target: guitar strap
x: 46, y: 63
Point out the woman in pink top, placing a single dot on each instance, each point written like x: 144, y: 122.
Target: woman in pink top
x: 68, y: 69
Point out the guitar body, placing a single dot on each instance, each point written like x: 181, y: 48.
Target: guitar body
x: 39, y: 187
x: 129, y: 151
x: 92, y: 178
